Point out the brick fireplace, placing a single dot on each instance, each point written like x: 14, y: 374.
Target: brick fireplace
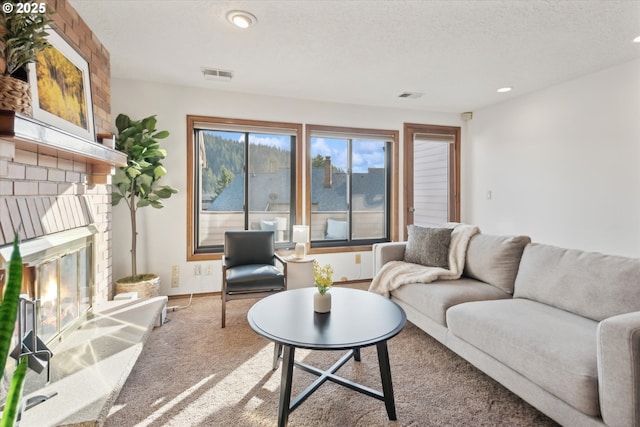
x: 40, y: 164
x: 55, y: 189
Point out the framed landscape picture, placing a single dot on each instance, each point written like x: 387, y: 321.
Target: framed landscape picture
x: 61, y: 88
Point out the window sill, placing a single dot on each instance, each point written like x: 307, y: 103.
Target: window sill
x: 339, y: 249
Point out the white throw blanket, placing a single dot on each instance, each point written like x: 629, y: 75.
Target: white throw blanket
x: 394, y: 274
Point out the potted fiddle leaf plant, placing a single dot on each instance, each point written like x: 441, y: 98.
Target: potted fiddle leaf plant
x: 8, y: 313
x: 136, y: 184
x: 23, y: 33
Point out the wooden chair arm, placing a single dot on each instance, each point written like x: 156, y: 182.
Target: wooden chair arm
x: 283, y: 262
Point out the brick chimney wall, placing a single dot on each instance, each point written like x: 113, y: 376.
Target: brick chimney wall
x: 30, y: 174
x: 328, y: 172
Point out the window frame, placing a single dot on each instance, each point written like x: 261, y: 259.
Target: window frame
x: 354, y: 133
x: 193, y: 254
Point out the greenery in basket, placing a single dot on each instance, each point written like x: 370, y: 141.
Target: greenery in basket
x: 137, y: 183
x: 8, y: 314
x: 322, y: 277
x: 22, y: 35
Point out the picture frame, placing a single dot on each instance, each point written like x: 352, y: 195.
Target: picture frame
x: 66, y: 106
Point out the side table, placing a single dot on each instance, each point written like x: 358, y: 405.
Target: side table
x: 299, y: 272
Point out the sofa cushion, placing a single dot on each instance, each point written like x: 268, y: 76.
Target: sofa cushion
x: 552, y: 348
x: 590, y: 284
x: 495, y: 259
x: 428, y: 246
x: 433, y: 299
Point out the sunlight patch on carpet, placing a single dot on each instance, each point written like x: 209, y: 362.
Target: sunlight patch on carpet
x: 237, y: 388
x: 174, y: 402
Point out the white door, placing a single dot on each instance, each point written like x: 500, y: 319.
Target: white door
x: 431, y: 160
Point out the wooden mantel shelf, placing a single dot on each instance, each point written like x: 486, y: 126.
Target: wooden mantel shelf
x: 32, y: 135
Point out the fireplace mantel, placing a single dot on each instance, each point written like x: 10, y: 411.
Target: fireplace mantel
x: 32, y: 135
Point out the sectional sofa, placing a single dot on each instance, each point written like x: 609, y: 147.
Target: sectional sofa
x: 558, y: 327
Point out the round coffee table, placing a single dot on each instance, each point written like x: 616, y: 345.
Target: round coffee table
x: 357, y: 319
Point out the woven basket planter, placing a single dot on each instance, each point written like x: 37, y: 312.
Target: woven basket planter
x: 15, y: 95
x: 144, y: 288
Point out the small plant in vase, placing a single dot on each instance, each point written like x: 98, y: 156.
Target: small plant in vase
x: 322, y: 280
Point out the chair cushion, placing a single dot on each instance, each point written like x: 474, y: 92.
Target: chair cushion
x: 553, y: 348
x: 254, y: 277
x: 249, y: 247
x: 336, y: 230
x: 268, y: 225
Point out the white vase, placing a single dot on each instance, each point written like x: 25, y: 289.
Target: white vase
x: 322, y: 303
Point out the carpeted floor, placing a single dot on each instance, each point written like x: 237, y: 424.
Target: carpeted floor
x: 193, y: 373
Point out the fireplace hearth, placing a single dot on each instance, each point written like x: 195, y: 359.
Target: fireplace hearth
x: 55, y: 296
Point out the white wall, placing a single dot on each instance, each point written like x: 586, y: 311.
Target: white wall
x: 162, y: 242
x: 562, y: 164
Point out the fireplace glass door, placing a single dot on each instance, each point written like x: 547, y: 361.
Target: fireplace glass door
x: 63, y: 291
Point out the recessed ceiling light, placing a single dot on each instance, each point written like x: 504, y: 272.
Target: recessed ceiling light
x: 504, y: 89
x: 636, y: 40
x: 241, y: 19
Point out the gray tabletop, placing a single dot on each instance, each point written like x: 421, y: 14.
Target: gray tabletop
x: 357, y: 319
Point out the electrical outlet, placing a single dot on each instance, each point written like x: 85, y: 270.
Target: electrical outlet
x: 208, y: 269
x: 344, y: 279
x: 175, y: 276
x: 197, y: 270
x: 358, y: 259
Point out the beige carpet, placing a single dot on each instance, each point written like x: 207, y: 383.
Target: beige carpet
x: 193, y: 373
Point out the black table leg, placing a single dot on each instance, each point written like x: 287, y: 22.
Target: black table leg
x: 385, y: 374
x: 285, y: 385
x: 277, y: 351
x: 356, y: 354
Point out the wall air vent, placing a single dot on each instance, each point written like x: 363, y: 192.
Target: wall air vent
x: 411, y: 95
x: 217, y: 75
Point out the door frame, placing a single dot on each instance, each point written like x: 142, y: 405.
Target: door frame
x: 409, y: 131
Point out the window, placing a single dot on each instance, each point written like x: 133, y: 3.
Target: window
x: 242, y: 176
x: 351, y: 184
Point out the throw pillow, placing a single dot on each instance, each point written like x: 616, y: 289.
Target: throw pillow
x: 336, y: 229
x: 428, y: 246
x: 268, y: 225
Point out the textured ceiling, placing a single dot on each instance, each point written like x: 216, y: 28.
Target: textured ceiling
x: 457, y: 53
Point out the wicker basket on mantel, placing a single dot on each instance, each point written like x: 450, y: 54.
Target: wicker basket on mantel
x: 15, y: 95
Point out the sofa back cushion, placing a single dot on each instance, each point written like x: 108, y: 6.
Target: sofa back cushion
x: 590, y: 284
x: 495, y: 259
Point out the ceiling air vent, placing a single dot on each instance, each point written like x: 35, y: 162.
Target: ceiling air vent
x: 217, y: 75
x: 411, y: 95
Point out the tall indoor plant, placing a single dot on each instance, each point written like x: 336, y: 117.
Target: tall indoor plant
x: 22, y: 36
x: 10, y: 299
x: 137, y: 183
